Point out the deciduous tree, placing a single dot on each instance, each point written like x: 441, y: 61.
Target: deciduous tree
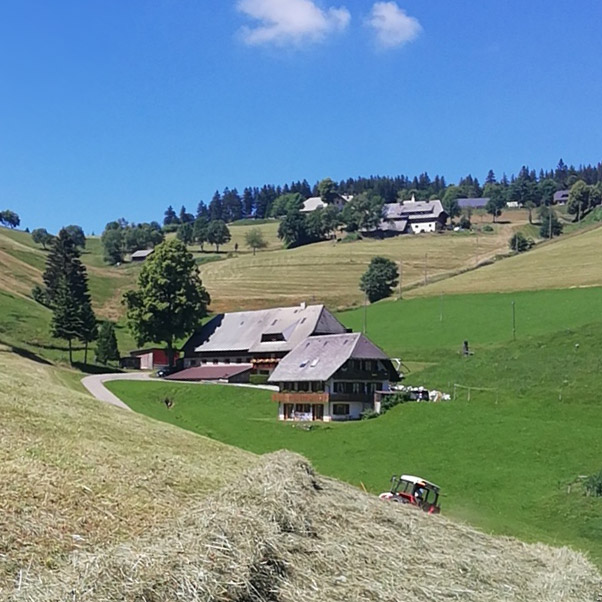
x: 218, y: 233
x: 9, y: 218
x: 41, y: 236
x: 380, y: 279
x: 254, y: 239
x: 170, y: 299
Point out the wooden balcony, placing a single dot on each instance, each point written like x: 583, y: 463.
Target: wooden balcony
x: 314, y: 398
x: 300, y: 397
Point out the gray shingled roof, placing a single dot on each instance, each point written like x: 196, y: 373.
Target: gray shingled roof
x: 211, y: 372
x: 243, y: 330
x: 318, y: 358
x: 561, y: 195
x: 412, y: 209
x: 477, y: 203
x: 142, y: 254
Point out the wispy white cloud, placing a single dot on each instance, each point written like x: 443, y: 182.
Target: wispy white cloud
x: 283, y: 22
x: 392, y: 25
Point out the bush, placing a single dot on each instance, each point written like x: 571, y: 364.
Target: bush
x: 369, y: 414
x: 520, y: 243
x: 465, y: 223
x: 352, y: 237
x: 258, y: 379
x: 593, y: 485
x: 487, y: 228
x: 390, y: 401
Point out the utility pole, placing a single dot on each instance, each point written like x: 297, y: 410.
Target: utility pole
x: 513, y: 321
x: 365, y: 313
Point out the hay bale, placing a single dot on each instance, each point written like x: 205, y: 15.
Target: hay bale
x: 282, y: 533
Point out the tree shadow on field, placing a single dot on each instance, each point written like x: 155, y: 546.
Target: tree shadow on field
x: 24, y: 353
x: 95, y: 368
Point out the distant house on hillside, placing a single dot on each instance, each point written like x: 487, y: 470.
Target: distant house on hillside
x: 315, y: 202
x: 142, y: 255
x: 561, y: 197
x: 332, y: 377
x: 477, y: 203
x: 260, y: 338
x: 413, y: 217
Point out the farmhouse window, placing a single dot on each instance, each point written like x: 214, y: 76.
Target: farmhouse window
x: 340, y: 409
x: 302, y: 408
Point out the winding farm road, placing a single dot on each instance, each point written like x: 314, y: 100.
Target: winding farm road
x: 95, y: 385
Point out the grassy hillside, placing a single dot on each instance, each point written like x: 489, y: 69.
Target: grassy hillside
x: 23, y: 262
x: 76, y: 474
x: 571, y: 260
x: 508, y: 461
x: 418, y: 328
x: 329, y: 272
x: 25, y: 324
x: 102, y: 504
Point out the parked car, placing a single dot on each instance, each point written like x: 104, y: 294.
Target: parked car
x: 166, y: 372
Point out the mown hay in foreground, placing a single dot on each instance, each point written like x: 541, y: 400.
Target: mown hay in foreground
x: 282, y: 533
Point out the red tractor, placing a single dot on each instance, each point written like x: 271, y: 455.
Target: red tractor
x: 416, y: 491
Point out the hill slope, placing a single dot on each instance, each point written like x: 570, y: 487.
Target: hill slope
x: 569, y: 261
x: 101, y: 504
x: 76, y: 474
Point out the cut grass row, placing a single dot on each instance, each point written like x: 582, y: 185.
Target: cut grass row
x: 508, y: 462
x: 329, y: 272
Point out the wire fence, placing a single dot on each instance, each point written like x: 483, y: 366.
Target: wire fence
x: 469, y: 389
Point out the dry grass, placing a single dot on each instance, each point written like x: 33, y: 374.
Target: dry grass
x: 76, y: 474
x: 570, y: 261
x: 22, y: 263
x: 329, y: 272
x: 285, y: 534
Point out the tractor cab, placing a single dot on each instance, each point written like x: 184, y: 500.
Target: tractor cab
x: 407, y: 489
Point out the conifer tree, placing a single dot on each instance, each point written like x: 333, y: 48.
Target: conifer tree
x: 67, y: 293
x: 106, y: 347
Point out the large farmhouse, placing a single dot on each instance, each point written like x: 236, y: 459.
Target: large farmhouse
x: 331, y: 377
x: 260, y: 338
x: 413, y: 217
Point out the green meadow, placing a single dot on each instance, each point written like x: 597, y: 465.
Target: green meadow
x: 509, y: 459
x: 418, y: 327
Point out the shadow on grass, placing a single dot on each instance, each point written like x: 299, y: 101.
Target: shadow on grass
x: 25, y: 353
x: 95, y: 368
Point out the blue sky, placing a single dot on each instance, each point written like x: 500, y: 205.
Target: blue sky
x: 117, y: 109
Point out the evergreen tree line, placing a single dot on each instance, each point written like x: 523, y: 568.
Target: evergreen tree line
x: 529, y: 185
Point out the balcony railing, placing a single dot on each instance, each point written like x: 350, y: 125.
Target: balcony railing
x: 300, y: 397
x: 312, y: 398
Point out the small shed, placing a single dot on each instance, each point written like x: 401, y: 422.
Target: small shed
x: 142, y: 255
x: 147, y: 359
